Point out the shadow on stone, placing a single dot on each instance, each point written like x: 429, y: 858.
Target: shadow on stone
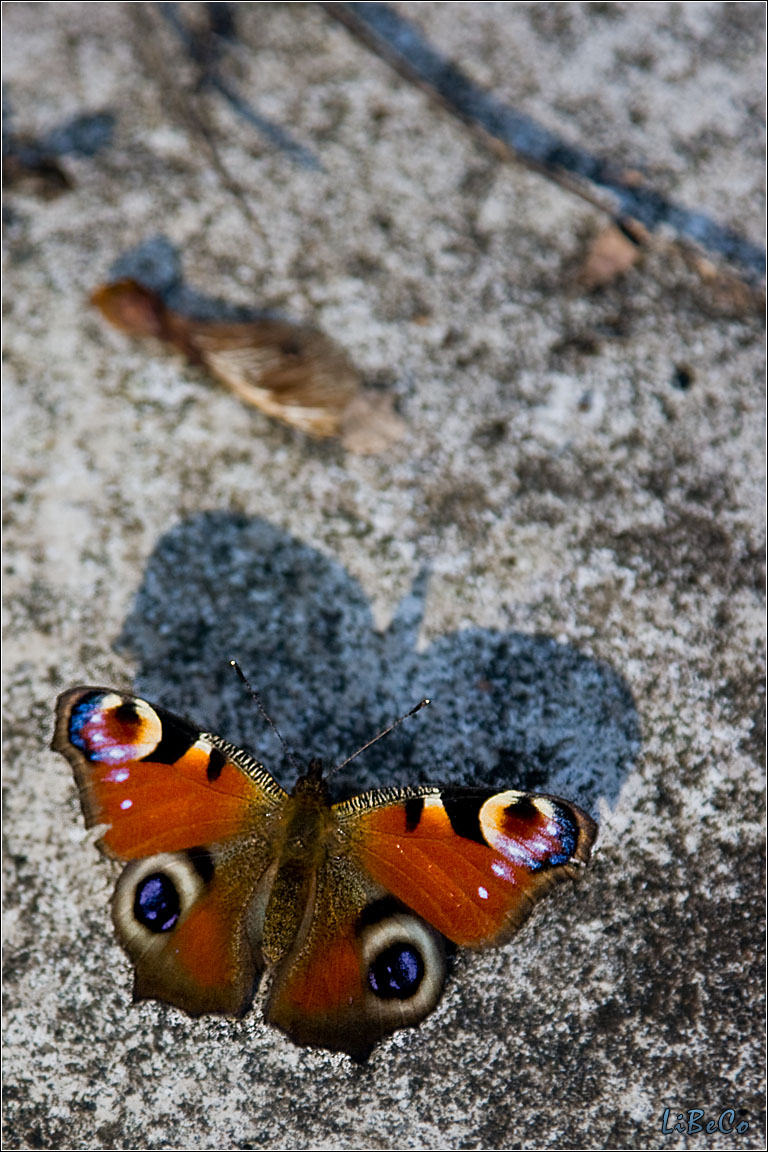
x: 156, y: 263
x: 507, y: 708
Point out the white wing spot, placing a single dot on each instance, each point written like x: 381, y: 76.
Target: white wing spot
x: 547, y: 808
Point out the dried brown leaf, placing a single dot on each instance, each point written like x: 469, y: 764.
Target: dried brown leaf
x: 290, y: 371
x: 610, y: 255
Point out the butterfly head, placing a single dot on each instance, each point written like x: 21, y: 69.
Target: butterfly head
x: 312, y: 783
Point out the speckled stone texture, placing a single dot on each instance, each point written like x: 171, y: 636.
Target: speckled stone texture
x: 564, y: 552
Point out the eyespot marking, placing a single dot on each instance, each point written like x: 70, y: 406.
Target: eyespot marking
x: 142, y: 911
x: 156, y: 905
x: 396, y: 973
x: 403, y: 963
x: 109, y: 729
x: 534, y: 832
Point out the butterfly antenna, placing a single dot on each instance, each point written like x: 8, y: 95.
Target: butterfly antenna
x: 384, y: 732
x: 257, y: 697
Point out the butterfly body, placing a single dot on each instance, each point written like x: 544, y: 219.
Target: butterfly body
x: 350, y: 905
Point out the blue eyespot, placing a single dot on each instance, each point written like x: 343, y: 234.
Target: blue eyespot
x: 569, y: 838
x: 156, y: 904
x: 82, y: 714
x: 397, y: 972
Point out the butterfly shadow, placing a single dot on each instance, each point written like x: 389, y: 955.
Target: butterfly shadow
x: 508, y: 709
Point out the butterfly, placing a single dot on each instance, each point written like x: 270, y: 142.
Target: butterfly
x: 354, y: 906
x: 290, y: 371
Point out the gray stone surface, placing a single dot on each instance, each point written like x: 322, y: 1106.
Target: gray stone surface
x: 564, y: 553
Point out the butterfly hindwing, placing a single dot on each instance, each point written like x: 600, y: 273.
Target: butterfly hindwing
x: 191, y: 923
x: 364, y: 967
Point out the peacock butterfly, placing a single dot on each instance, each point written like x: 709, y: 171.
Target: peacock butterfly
x: 354, y: 905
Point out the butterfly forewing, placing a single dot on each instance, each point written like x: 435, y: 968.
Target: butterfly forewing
x: 153, y: 779
x: 472, y: 863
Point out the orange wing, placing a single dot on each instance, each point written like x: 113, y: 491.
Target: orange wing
x: 156, y: 782
x: 364, y: 967
x: 197, y: 820
x: 472, y: 863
